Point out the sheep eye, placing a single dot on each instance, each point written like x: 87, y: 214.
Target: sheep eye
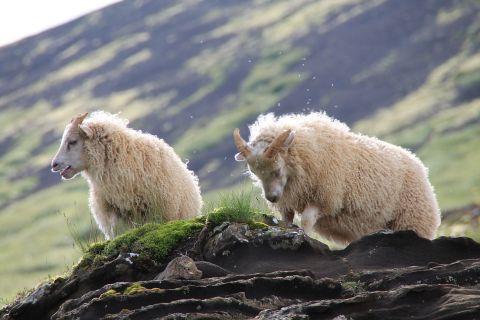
x: 71, y: 143
x: 276, y: 173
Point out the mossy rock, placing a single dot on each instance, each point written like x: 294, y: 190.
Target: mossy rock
x: 353, y: 286
x: 109, y: 293
x: 134, y: 289
x: 257, y: 225
x: 155, y: 241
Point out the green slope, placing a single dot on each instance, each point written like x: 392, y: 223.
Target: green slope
x: 440, y: 121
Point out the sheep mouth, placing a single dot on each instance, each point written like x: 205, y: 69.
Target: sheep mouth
x: 66, y: 172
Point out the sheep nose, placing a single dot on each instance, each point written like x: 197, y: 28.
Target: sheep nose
x: 55, y: 165
x: 272, y: 198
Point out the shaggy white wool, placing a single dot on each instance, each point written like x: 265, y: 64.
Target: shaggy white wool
x: 135, y: 176
x: 358, y: 183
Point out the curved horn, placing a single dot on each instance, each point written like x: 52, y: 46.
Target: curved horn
x: 78, y: 119
x: 276, y: 144
x: 240, y: 143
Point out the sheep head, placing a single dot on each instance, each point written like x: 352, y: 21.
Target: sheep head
x: 267, y: 162
x: 70, y: 157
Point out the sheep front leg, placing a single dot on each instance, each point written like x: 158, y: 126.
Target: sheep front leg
x: 104, y: 216
x: 287, y: 217
x: 111, y: 229
x: 309, y: 218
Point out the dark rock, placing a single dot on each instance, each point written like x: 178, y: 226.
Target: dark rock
x: 406, y: 302
x: 225, y: 237
x: 182, y: 267
x: 273, y: 273
x: 210, y: 270
x: 48, y: 297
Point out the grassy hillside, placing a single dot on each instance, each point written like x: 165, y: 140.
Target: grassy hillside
x: 440, y: 122
x: 407, y: 71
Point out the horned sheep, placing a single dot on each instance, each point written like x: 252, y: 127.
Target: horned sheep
x: 344, y: 185
x: 133, y: 177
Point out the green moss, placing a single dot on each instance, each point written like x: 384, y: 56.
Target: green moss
x: 155, y: 241
x: 355, y: 286
x: 138, y: 288
x: 109, y: 293
x: 257, y: 225
x: 97, y: 248
x: 134, y: 289
x: 93, y: 255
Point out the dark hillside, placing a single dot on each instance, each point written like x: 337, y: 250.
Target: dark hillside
x: 189, y: 61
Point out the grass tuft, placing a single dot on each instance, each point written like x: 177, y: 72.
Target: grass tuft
x: 235, y: 207
x: 84, y: 236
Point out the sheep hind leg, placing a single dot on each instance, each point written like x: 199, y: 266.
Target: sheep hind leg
x: 421, y: 225
x: 418, y: 211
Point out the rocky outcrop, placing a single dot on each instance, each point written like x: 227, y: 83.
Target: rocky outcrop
x: 251, y: 270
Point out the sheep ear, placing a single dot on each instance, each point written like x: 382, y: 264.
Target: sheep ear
x: 86, y: 131
x: 239, y: 157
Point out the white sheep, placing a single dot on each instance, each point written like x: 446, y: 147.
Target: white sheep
x: 134, y: 177
x: 343, y: 184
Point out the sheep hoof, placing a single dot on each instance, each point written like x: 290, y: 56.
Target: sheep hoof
x: 285, y: 224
